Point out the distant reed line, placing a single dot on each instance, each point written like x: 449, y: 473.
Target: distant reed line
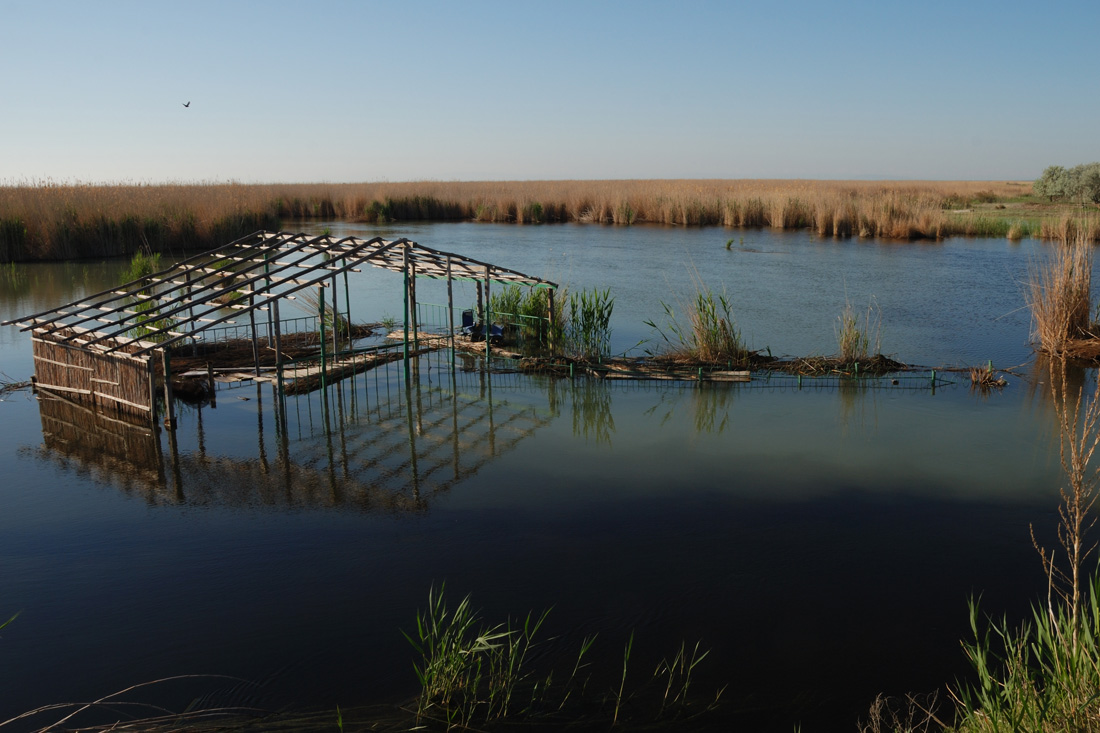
x: 72, y: 220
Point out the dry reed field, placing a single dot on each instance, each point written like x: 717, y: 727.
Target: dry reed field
x: 49, y: 220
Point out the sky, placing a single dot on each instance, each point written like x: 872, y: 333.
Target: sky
x: 350, y: 91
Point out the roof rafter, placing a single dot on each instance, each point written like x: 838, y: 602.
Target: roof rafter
x: 245, y: 275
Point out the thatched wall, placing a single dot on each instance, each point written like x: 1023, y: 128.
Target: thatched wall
x: 115, y: 380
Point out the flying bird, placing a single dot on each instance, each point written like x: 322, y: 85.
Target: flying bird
x: 187, y: 104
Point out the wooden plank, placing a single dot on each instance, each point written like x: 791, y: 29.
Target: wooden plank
x: 59, y: 388
x: 65, y: 364
x: 104, y: 395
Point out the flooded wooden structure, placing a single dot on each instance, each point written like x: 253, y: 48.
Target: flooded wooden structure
x: 114, y: 348
x: 386, y: 447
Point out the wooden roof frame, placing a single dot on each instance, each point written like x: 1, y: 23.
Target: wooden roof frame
x: 249, y: 274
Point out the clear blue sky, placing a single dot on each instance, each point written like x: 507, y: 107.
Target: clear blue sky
x: 367, y: 91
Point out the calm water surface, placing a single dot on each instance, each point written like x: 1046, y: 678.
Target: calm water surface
x: 822, y: 541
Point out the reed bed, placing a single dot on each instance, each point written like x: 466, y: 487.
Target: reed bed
x: 710, y: 335
x: 1059, y: 294
x: 857, y: 340
x: 52, y: 220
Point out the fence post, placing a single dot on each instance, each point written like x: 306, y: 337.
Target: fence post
x: 321, y: 325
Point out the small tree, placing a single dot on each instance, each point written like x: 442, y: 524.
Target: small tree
x: 1054, y: 183
x: 1089, y: 182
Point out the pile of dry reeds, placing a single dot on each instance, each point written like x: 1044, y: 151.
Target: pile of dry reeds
x: 1059, y: 295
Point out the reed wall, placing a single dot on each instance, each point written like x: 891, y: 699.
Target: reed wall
x: 117, y: 380
x: 66, y: 221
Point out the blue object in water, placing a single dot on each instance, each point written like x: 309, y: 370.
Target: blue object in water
x: 476, y: 331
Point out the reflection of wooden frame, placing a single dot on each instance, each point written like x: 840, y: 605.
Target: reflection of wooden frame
x: 118, y: 445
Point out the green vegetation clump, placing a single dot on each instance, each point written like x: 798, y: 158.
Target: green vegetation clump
x: 525, y: 312
x: 587, y: 330
x: 858, y: 339
x: 145, y: 305
x: 1080, y: 183
x: 473, y: 674
x: 142, y: 265
x: 710, y: 335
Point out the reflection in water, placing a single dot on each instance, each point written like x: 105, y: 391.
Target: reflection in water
x: 709, y: 404
x: 374, y: 442
x: 378, y: 442
x: 857, y: 399
x: 592, y: 417
x: 711, y: 408
x: 1049, y: 377
x: 119, y: 448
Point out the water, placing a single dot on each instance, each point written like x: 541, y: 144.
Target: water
x: 822, y: 541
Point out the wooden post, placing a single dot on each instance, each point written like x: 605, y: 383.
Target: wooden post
x: 451, y: 313
x: 347, y: 303
x: 550, y: 318
x: 152, y: 390
x: 278, y: 344
x: 267, y: 289
x: 213, y: 387
x: 405, y: 344
x: 335, y: 320
x: 191, y: 311
x: 169, y: 409
x: 480, y: 314
x: 488, y: 318
x: 255, y: 341
x: 321, y: 306
x: 413, y: 315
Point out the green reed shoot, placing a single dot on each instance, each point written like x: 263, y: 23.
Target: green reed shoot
x: 677, y: 673
x: 527, y: 310
x: 588, y: 328
x: 14, y: 279
x: 333, y: 319
x: 468, y: 671
x: 142, y: 265
x: 474, y: 674
x: 622, y: 680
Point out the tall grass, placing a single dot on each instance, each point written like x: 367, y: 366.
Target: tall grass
x: 59, y: 220
x: 526, y: 313
x: 1059, y: 294
x: 1044, y: 675
x: 144, y: 303
x: 474, y: 674
x: 710, y: 334
x: 142, y: 265
x: 587, y: 330
x: 469, y: 672
x: 858, y: 339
